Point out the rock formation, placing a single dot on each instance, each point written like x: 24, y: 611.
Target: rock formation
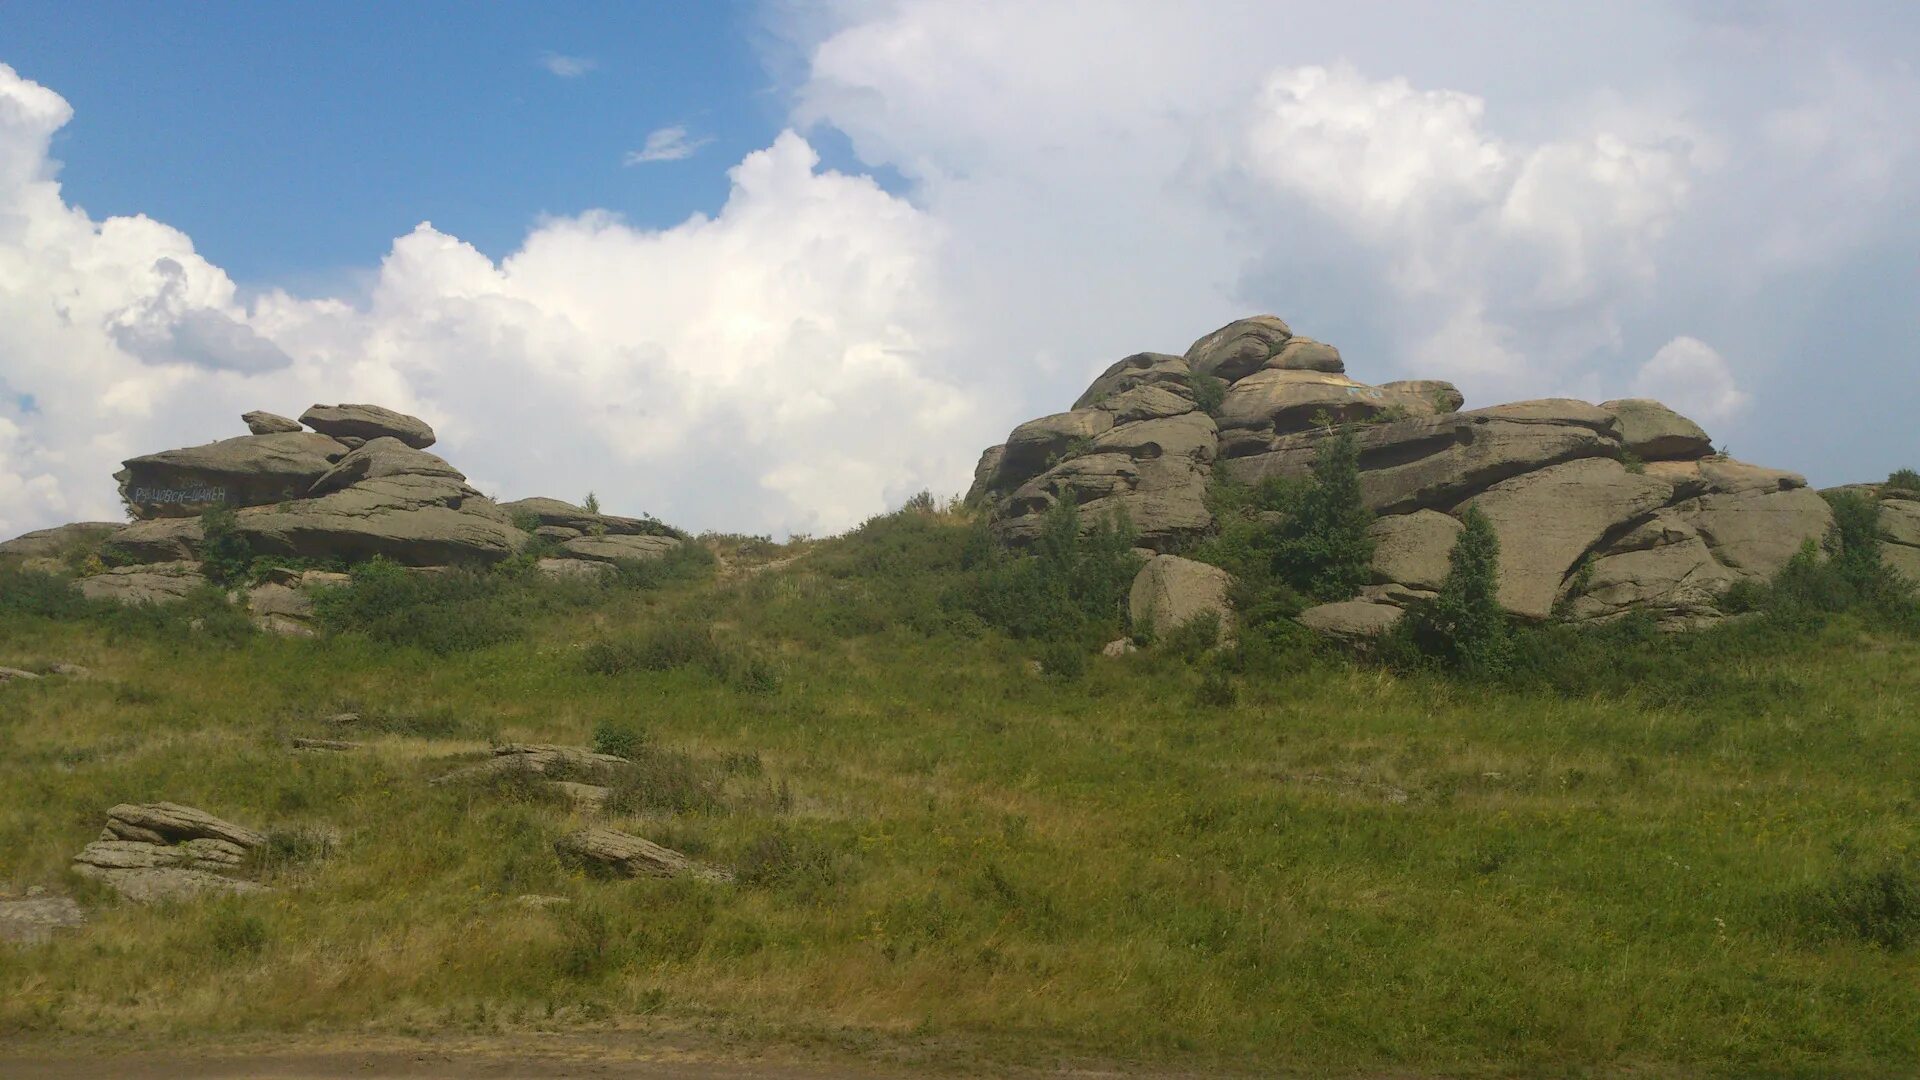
x: 1600, y: 509
x: 360, y: 485
x: 164, y: 851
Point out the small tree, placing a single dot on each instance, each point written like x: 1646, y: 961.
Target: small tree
x: 1853, y: 545
x: 1905, y: 481
x: 1464, y: 627
x: 225, y: 555
x: 591, y: 504
x: 1324, y: 550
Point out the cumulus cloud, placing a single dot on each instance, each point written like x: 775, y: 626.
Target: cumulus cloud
x: 771, y: 367
x: 1691, y: 376
x: 666, y: 144
x: 567, y: 67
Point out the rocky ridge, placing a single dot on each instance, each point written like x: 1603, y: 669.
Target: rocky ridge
x: 1601, y: 509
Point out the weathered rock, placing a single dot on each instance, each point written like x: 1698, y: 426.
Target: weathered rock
x: 266, y: 423
x: 1352, y: 620
x: 1119, y: 647
x: 36, y: 917
x: 1555, y: 412
x: 1434, y: 463
x: 1442, y: 395
x: 1549, y: 519
x: 1286, y: 401
x: 1900, y: 518
x: 1757, y: 532
x: 1306, y: 354
x: 555, y: 513
x: 1413, y: 550
x: 369, y: 422
x: 415, y: 520
x: 575, y: 569
x: 610, y: 549
x: 43, y: 543
x: 557, y: 533
x: 156, y: 584
x: 250, y: 470
x: 382, y: 457
x: 160, y: 885
x: 154, y: 852
x: 9, y: 674
x: 1140, y: 369
x: 158, y: 540
x: 1662, y: 567
x: 985, y: 473
x: 1164, y: 498
x: 176, y: 824
x: 1239, y: 348
x: 1171, y: 591
x: 1151, y: 401
x: 1653, y: 432
x: 623, y: 854
x: 1037, y: 444
x: 272, y: 599
x: 1191, y: 435
x: 537, y: 758
x: 1723, y: 476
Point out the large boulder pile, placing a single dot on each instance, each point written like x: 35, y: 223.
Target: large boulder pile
x: 1600, y: 509
x: 360, y: 484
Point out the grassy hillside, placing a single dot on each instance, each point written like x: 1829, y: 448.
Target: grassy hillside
x: 1684, y: 857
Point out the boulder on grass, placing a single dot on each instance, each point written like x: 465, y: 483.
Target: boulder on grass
x: 163, y: 851
x: 607, y: 851
x: 1171, y: 591
x: 1355, y: 621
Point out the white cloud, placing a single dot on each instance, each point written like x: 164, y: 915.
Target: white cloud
x: 1692, y: 377
x: 567, y: 67
x: 767, y: 368
x: 666, y: 144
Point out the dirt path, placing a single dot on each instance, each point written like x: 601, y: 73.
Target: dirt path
x: 642, y: 1056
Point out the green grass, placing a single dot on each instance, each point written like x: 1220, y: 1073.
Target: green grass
x: 1270, y: 860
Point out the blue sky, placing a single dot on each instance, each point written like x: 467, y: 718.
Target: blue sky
x: 872, y: 235
x: 371, y: 117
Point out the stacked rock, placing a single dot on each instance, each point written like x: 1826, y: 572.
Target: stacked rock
x: 1600, y: 509
x: 359, y: 484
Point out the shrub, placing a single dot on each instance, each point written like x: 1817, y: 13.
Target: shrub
x: 1464, y: 627
x: 1064, y: 659
x: 1208, y: 393
x: 685, y: 563
x: 445, y: 613
x: 226, y: 558
x: 591, y: 504
x: 684, y: 643
x: 1878, y: 904
x: 1191, y: 639
x: 1216, y: 690
x: 619, y: 738
x: 31, y: 592
x: 1903, y: 480
x: 1074, y: 585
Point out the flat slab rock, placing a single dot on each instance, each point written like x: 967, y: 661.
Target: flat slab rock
x: 34, y: 918
x: 534, y: 758
x: 623, y: 854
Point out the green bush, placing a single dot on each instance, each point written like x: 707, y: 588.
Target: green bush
x: 47, y: 596
x: 1903, y: 480
x: 1464, y: 627
x: 452, y: 612
x: 226, y: 558
x: 686, y: 563
x: 1064, y: 659
x: 1073, y: 586
x: 619, y: 738
x: 684, y: 643
x: 1208, y: 393
x: 1877, y: 903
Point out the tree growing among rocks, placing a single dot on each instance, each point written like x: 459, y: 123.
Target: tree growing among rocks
x: 1464, y: 627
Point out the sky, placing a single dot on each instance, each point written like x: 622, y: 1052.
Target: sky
x: 775, y: 267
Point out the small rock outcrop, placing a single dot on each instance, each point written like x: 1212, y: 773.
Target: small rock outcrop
x: 610, y: 852
x: 1601, y: 510
x: 33, y: 919
x: 360, y: 486
x: 154, y: 852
